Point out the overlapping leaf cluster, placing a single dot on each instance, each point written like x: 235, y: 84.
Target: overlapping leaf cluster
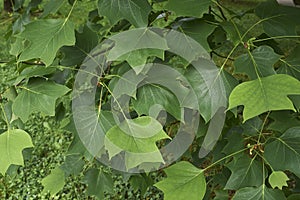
x: 257, y: 156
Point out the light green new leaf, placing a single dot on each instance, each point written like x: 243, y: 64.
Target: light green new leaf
x: 287, y: 151
x: 260, y: 193
x: 12, y: 143
x: 246, y: 172
x: 54, y: 182
x: 184, y: 181
x: 135, y: 11
x: 257, y: 62
x: 98, y: 182
x: 193, y: 8
x: 38, y: 96
x: 278, y: 179
x: 265, y: 94
x: 46, y: 37
x: 137, y: 137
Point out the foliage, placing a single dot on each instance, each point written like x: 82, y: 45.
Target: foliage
x: 254, y: 44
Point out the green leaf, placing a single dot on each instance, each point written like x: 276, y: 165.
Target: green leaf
x: 199, y: 30
x: 255, y: 64
x: 85, y: 42
x: 193, y: 8
x: 283, y: 120
x: 184, y: 181
x: 12, y: 143
x: 278, y: 20
x: 46, y: 37
x: 38, y: 96
x: 139, y: 57
x: 137, y: 137
x: 52, y: 7
x: 135, y: 11
x: 278, y: 179
x: 291, y: 64
x: 260, y: 193
x: 54, y: 182
x: 34, y: 71
x: 294, y: 197
x: 141, y: 182
x: 287, y: 151
x: 150, y: 96
x: 98, y: 182
x: 73, y: 164
x: 265, y: 94
x: 246, y: 172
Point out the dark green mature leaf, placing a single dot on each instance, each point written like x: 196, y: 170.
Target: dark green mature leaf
x: 38, y: 96
x: 260, y: 193
x: 52, y: 7
x: 73, y: 164
x: 199, y: 30
x: 265, y: 94
x: 246, y: 172
x: 193, y: 8
x: 291, y: 64
x: 46, y: 37
x: 137, y: 137
x: 12, y: 143
x: 141, y: 182
x: 135, y: 11
x: 283, y: 120
x: 252, y: 127
x: 98, y: 182
x: 184, y: 181
x: 54, y: 182
x: 255, y: 64
x: 287, y: 151
x: 85, y: 42
x: 151, y: 95
x: 278, y: 20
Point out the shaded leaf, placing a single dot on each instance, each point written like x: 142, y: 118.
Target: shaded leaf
x: 98, y: 182
x: 260, y: 193
x: 184, y: 181
x: 287, y: 151
x: 73, y: 164
x: 255, y: 64
x: 246, y: 172
x: 12, y: 143
x: 265, y: 94
x: 283, y: 120
x: 85, y: 42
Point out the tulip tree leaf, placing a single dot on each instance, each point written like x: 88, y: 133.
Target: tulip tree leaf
x: 291, y: 65
x: 287, y: 150
x: 135, y: 11
x: 278, y: 20
x: 265, y: 94
x: 46, y: 37
x: 12, y: 143
x: 184, y: 181
x: 137, y: 137
x: 98, y: 182
x: 278, y: 179
x: 54, y: 182
x: 259, y: 193
x: 193, y: 8
x: 245, y: 172
x: 38, y: 96
x: 256, y: 62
